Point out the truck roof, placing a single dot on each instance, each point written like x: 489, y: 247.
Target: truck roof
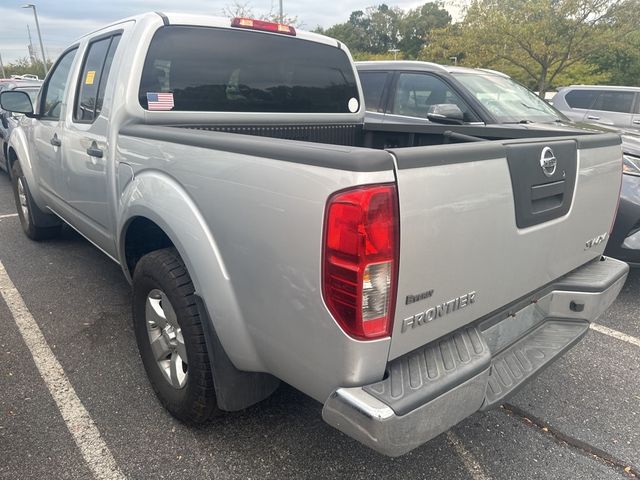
x: 423, y: 67
x: 190, y: 19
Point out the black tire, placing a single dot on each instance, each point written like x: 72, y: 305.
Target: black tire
x: 37, y: 224
x: 164, y: 270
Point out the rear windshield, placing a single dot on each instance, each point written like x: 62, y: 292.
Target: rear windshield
x: 225, y: 70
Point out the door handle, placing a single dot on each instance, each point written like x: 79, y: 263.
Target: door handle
x: 55, y: 141
x: 593, y: 117
x: 94, y: 151
x: 637, y: 122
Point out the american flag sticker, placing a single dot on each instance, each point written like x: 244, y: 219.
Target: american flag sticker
x: 160, y: 101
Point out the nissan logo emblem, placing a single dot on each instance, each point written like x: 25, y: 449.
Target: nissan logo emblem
x: 548, y: 161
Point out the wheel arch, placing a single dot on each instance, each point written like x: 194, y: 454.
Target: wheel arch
x: 156, y: 212
x: 18, y: 150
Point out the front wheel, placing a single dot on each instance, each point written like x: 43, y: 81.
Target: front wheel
x: 170, y: 336
x: 37, y: 225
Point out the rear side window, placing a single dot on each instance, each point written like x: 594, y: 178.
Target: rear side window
x: 581, y: 98
x: 621, y: 102
x: 225, y: 70
x: 373, y: 88
x: 93, y: 79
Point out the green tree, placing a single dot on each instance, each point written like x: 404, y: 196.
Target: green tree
x: 354, y: 33
x: 621, y: 62
x: 417, y: 25
x: 380, y: 28
x: 385, y: 24
x: 24, y: 66
x: 375, y: 30
x: 244, y: 9
x: 539, y: 40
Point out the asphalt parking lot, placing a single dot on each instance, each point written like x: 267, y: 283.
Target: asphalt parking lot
x: 579, y: 419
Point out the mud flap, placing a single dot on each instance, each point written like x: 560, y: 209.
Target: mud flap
x: 235, y: 389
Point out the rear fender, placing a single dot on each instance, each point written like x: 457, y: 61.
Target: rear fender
x: 159, y: 198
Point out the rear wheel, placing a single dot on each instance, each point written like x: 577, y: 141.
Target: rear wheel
x: 170, y: 336
x: 37, y: 224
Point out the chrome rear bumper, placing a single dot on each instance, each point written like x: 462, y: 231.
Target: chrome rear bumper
x: 433, y: 388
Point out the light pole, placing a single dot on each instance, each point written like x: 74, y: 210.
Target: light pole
x: 35, y: 14
x: 2, y: 67
x: 281, y: 13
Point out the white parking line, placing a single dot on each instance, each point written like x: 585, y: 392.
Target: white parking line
x: 471, y: 464
x: 10, y: 215
x: 86, y: 435
x: 615, y: 334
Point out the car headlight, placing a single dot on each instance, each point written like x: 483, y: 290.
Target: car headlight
x: 631, y: 165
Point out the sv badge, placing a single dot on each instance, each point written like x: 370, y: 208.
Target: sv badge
x: 595, y: 241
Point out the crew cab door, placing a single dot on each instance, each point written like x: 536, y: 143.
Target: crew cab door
x: 85, y: 153
x: 612, y: 107
x: 48, y: 132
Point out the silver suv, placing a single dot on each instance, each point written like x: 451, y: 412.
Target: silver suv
x: 607, y: 105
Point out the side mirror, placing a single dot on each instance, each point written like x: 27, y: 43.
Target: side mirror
x: 448, y: 113
x: 17, y: 102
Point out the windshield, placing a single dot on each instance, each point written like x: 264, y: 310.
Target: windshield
x: 507, y: 100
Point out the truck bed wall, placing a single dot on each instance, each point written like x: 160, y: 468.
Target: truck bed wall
x: 264, y: 218
x: 262, y: 203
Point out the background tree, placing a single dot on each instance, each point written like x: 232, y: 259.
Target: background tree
x: 244, y: 9
x: 621, y: 61
x: 385, y: 25
x: 376, y: 30
x: 25, y: 65
x: 417, y: 25
x: 354, y: 33
x: 540, y: 42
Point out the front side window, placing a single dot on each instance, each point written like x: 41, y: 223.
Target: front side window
x: 56, y: 86
x: 416, y: 93
x: 226, y: 70
x: 620, y: 102
x: 93, y: 79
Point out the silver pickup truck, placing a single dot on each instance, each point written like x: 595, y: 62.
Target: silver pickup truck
x: 404, y: 279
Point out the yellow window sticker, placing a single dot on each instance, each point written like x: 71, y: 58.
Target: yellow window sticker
x: 91, y: 74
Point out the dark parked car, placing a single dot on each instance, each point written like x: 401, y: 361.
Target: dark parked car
x: 8, y: 120
x: 419, y: 93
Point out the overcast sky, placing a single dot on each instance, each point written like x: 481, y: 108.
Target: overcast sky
x: 62, y: 21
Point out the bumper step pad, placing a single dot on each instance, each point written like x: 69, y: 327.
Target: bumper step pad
x: 425, y: 374
x: 428, y: 372
x: 596, y: 276
x: 527, y: 357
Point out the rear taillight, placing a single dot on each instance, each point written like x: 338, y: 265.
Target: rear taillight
x: 361, y: 259
x: 262, y: 25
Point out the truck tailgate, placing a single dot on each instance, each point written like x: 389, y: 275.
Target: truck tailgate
x: 484, y: 224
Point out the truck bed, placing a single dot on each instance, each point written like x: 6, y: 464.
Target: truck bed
x: 480, y: 223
